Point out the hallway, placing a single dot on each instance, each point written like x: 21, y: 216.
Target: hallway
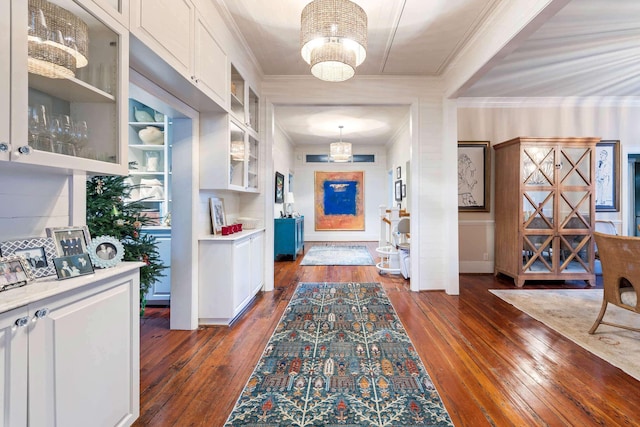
x: 491, y: 364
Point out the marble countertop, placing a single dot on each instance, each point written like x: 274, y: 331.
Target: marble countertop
x: 51, y: 286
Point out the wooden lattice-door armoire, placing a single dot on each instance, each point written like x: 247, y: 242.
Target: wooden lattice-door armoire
x: 545, y: 209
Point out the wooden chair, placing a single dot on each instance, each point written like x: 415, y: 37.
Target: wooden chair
x: 606, y: 227
x: 620, y: 257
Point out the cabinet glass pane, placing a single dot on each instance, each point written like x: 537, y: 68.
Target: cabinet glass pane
x: 537, y: 253
x: 538, y: 166
x: 73, y: 63
x: 252, y: 163
x: 575, y: 208
x: 254, y: 110
x: 237, y: 94
x: 538, y: 210
x: 576, y: 166
x: 575, y: 253
x: 237, y: 153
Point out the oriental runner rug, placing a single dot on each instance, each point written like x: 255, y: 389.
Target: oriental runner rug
x: 571, y: 312
x: 337, y: 255
x: 339, y: 357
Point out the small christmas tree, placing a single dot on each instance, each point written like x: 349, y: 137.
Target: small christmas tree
x: 110, y: 214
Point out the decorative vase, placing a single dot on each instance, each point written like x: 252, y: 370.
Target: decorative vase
x: 151, y: 135
x: 158, y: 116
x: 142, y: 115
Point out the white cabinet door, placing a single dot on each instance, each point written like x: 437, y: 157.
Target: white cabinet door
x: 13, y: 367
x: 257, y: 263
x: 160, y: 291
x: 211, y: 69
x: 5, y: 82
x: 84, y: 356
x: 167, y: 27
x: 242, y: 274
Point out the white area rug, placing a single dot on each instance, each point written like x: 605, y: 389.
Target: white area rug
x: 571, y: 312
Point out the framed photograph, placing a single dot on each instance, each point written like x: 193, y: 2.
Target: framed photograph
x: 70, y: 240
x: 607, y: 158
x: 398, y: 172
x: 105, y: 251
x: 398, y: 190
x: 73, y: 265
x: 473, y: 176
x: 14, y: 272
x: 38, y: 251
x: 218, y: 216
x: 404, y: 191
x: 279, y: 188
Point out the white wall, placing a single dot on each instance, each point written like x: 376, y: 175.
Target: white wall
x: 283, y: 160
x: 399, y: 155
x: 375, y: 190
x: 30, y: 202
x: 498, y: 120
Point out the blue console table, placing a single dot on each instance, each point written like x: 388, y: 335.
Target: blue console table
x: 288, y: 236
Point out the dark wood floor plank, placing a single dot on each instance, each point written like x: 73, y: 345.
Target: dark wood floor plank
x: 492, y: 364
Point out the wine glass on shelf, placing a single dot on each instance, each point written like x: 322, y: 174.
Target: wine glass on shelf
x: 60, y: 138
x: 39, y: 137
x: 81, y: 140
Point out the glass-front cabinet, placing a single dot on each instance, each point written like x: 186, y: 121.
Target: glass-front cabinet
x: 566, y: 216
x: 552, y: 225
x: 230, y: 143
x: 229, y: 155
x: 243, y: 159
x: 67, y: 95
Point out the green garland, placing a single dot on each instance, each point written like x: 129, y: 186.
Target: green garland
x: 110, y: 214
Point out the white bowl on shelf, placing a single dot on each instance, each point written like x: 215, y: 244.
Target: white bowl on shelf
x: 151, y: 135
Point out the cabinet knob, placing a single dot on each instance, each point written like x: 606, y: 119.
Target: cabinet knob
x: 4, y: 147
x: 43, y: 312
x: 194, y: 78
x: 25, y: 149
x: 22, y: 321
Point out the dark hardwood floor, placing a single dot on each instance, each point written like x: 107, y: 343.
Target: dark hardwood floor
x: 492, y: 364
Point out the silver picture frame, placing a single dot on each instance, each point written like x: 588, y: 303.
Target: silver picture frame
x: 38, y: 251
x: 14, y: 272
x: 71, y: 240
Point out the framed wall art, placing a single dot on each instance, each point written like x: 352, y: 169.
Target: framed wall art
x: 105, y: 251
x: 218, y: 215
x: 70, y: 240
x: 38, y: 251
x: 339, y: 201
x: 14, y: 272
x: 607, y: 159
x: 398, y: 190
x: 279, y: 193
x: 398, y: 172
x: 473, y: 176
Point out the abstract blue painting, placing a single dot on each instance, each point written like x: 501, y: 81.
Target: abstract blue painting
x: 339, y: 200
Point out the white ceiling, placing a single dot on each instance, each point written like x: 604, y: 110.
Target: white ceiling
x: 589, y: 48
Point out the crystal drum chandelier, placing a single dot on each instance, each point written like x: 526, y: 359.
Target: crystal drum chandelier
x: 340, y: 152
x: 333, y: 36
x: 58, y: 41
